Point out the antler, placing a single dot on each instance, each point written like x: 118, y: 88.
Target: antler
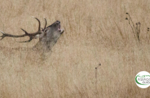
x: 45, y: 23
x: 31, y: 35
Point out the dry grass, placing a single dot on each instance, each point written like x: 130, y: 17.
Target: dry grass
x: 95, y: 32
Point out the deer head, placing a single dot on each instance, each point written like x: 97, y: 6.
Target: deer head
x: 48, y: 36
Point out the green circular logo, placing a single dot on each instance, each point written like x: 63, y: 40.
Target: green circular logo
x: 142, y: 79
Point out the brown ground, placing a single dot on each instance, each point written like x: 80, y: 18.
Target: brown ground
x: 95, y: 32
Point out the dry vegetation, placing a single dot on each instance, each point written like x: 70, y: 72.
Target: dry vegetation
x: 95, y: 32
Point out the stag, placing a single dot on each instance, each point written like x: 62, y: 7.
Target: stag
x: 48, y: 35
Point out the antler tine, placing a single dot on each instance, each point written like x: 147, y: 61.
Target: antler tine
x: 26, y: 41
x: 27, y: 34
x: 9, y: 35
x: 2, y: 35
x: 45, y: 23
x: 25, y: 31
x: 39, y: 23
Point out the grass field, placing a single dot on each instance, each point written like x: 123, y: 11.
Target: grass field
x: 96, y: 32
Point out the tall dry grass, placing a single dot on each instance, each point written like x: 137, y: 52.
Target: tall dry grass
x: 96, y: 32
